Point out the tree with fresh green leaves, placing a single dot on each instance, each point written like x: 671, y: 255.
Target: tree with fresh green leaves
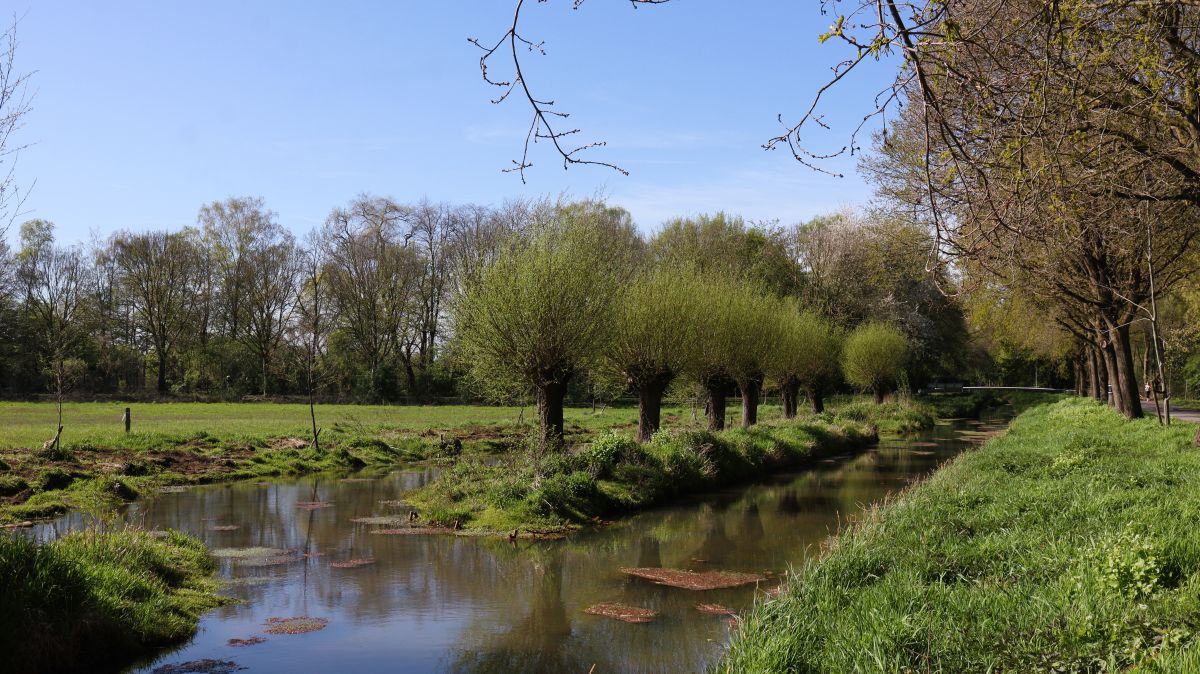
x: 713, y: 359
x: 542, y: 312
x: 655, y: 323
x: 807, y: 359
x: 756, y: 343
x: 874, y: 358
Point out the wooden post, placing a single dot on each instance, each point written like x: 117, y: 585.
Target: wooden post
x: 128, y: 419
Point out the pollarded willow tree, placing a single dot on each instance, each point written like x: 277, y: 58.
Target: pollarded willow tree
x: 726, y: 327
x: 541, y: 313
x: 807, y: 358
x: 755, y: 345
x: 874, y: 358
x: 656, y: 320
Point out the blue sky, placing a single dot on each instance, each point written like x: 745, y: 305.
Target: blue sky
x: 145, y: 111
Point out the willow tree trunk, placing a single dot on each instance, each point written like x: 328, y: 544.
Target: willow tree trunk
x: 549, y: 399
x: 750, y: 388
x: 816, y: 399
x: 650, y: 395
x: 789, y: 391
x: 716, y: 408
x: 878, y: 395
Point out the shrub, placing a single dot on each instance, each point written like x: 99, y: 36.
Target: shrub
x: 874, y: 358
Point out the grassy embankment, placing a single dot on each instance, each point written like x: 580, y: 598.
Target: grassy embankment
x: 94, y: 601
x: 614, y: 475
x: 1069, y: 544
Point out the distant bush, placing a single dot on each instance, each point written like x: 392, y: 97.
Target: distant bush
x: 874, y: 357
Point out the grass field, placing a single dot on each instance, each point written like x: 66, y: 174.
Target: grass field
x: 1069, y: 544
x: 99, y: 424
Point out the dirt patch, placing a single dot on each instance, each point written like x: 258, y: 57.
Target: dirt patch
x: 200, y: 667
x: 413, y: 531
x: 289, y: 443
x: 313, y: 505
x: 694, y: 580
x: 629, y: 614
x: 245, y: 642
x: 352, y: 563
x: 247, y: 553
x: 715, y: 609
x: 384, y: 521
x: 298, y: 625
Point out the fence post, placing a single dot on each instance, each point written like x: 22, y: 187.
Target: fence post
x: 128, y: 419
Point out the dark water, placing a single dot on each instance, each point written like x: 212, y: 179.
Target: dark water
x: 458, y: 604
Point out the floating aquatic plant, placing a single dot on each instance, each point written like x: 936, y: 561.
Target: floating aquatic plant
x: 352, y: 563
x: 694, y: 580
x: 629, y: 614
x: 298, y: 625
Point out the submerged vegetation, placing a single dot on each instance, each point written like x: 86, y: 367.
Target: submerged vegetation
x: 92, y: 600
x: 1069, y: 544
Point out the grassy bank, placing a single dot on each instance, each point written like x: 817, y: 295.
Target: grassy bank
x: 95, y: 601
x: 615, y: 475
x: 98, y: 466
x: 1069, y: 544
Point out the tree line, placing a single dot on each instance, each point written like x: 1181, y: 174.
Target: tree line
x: 374, y: 304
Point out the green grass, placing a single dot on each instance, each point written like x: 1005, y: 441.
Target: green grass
x: 1069, y: 544
x: 92, y: 600
x: 156, y: 424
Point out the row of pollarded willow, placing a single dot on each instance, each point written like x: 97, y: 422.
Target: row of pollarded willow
x: 582, y: 297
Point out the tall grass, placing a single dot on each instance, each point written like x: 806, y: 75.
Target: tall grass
x: 1069, y: 544
x: 89, y: 600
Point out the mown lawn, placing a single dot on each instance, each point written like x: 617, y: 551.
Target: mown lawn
x: 1069, y: 544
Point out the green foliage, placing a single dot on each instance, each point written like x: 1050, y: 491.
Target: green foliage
x: 1073, y: 535
x: 655, y: 321
x: 90, y: 600
x: 809, y: 349
x: 542, y: 311
x: 874, y: 357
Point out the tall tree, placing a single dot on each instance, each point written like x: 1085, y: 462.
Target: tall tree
x: 158, y: 271
x: 541, y: 313
x: 656, y: 320
x: 372, y: 274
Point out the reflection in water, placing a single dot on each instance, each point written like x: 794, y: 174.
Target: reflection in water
x: 460, y: 604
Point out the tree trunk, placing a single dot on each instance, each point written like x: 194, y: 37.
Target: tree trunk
x: 162, y: 371
x: 650, y: 396
x: 716, y: 407
x: 649, y: 410
x: 878, y: 395
x: 550, y: 414
x: 816, y: 398
x: 1093, y: 375
x: 1126, y: 388
x: 790, y: 393
x: 750, y: 389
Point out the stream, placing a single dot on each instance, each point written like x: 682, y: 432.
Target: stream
x: 472, y: 604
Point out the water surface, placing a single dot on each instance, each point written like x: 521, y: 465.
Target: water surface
x: 469, y: 604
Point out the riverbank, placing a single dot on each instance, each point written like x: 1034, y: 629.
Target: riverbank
x: 95, y: 601
x: 614, y: 475
x: 1068, y: 544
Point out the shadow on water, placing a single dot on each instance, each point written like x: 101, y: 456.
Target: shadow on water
x: 457, y: 604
